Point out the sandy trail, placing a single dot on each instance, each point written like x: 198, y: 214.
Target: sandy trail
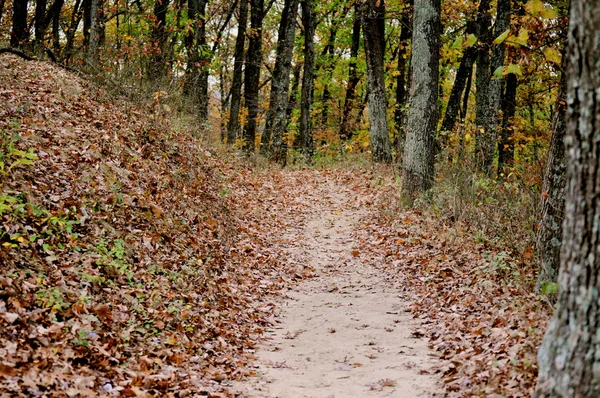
x: 345, y: 333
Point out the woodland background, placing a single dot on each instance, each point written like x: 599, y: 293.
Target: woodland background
x: 302, y: 83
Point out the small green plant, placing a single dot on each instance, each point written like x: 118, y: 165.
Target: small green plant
x: 10, y: 156
x: 53, y: 298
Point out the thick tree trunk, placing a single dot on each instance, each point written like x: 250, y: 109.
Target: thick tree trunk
x: 19, y: 34
x: 252, y: 73
x: 238, y: 64
x: 94, y: 43
x: 418, y: 166
x: 353, y: 79
x: 484, y: 146
x: 305, y: 138
x: 280, y: 84
x: 373, y: 19
x: 401, y: 79
x: 549, y: 236
x: 506, y: 146
x: 40, y: 18
x: 490, y: 127
x: 569, y: 358
x: 158, y: 65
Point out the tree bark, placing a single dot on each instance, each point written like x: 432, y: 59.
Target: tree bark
x: 19, y: 34
x: 94, y: 42
x: 40, y: 17
x: 549, y: 236
x: 353, y: 79
x: 305, y: 138
x: 490, y: 128
x: 373, y: 21
x: 569, y: 358
x: 418, y: 166
x: 280, y: 84
x: 401, y: 79
x: 506, y: 146
x: 238, y: 64
x: 252, y: 73
x: 158, y: 65
x: 196, y: 84
x: 484, y: 147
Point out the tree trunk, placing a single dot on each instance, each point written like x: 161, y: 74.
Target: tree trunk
x: 280, y: 84
x: 569, y: 358
x: 40, y: 17
x: 463, y: 73
x: 373, y: 19
x: 549, y: 236
x: 401, y: 79
x: 94, y: 42
x: 78, y: 14
x: 306, y: 142
x: 353, y: 79
x: 158, y: 65
x: 418, y: 166
x: 196, y: 84
x: 484, y: 146
x: 327, y: 58
x: 490, y: 130
x: 506, y: 146
x: 252, y: 73
x: 19, y: 34
x: 238, y: 64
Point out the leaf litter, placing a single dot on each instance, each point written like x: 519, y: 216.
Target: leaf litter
x: 135, y: 262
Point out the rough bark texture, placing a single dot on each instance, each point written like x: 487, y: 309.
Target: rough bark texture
x: 484, y: 147
x: 418, y: 167
x: 158, y: 65
x: 549, y: 236
x: 490, y: 126
x: 236, y: 84
x: 272, y: 138
x: 252, y: 73
x: 402, y: 78
x: 569, y: 358
x: 94, y: 42
x: 373, y: 18
x: 305, y: 137
x: 19, y: 34
x: 353, y: 79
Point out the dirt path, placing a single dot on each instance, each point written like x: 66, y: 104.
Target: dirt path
x: 346, y: 332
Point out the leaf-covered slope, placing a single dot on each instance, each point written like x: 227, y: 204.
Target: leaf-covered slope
x: 123, y: 269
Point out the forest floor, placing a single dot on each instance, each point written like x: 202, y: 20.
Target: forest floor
x: 139, y: 259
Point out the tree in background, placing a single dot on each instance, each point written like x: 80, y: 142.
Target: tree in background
x: 252, y: 73
x: 418, y: 161
x: 568, y: 357
x: 236, y: 85
x: 305, y: 139
x: 373, y: 17
x: 19, y: 35
x: 272, y: 137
